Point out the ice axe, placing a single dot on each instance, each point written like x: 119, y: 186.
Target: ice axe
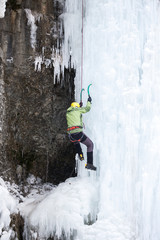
x: 88, y: 89
x: 81, y: 103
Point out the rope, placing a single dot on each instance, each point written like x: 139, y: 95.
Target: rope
x: 82, y: 51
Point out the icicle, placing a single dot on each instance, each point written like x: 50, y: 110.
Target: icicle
x: 32, y: 24
x: 2, y: 8
x: 38, y: 63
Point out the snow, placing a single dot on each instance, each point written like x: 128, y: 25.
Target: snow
x: 109, y: 229
x: 7, y: 207
x: 2, y: 8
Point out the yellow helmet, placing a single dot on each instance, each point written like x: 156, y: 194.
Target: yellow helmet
x: 75, y: 104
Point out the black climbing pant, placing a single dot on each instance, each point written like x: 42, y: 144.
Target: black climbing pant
x: 78, y: 138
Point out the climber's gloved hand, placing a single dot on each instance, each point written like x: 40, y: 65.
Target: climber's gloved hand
x: 89, y: 99
x: 80, y: 104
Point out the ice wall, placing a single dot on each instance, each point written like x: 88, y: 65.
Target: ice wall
x: 121, y: 59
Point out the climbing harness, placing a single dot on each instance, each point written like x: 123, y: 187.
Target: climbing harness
x: 72, y: 128
x: 75, y: 140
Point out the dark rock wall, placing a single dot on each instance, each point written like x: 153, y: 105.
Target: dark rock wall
x: 34, y: 132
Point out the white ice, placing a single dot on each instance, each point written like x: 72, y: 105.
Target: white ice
x: 121, y: 59
x: 54, y: 61
x: 2, y: 8
x: 7, y: 207
x: 63, y: 210
x: 32, y: 18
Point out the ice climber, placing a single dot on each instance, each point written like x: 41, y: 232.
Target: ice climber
x: 75, y: 131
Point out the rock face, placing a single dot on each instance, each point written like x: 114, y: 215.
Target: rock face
x: 34, y: 95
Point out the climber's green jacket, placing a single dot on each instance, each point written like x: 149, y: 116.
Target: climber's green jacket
x: 74, y: 117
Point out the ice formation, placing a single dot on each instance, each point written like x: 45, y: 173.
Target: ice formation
x: 32, y: 18
x: 72, y: 40
x: 63, y: 210
x: 121, y: 58
x: 54, y: 61
x: 7, y: 206
x: 2, y: 8
x: 60, y: 59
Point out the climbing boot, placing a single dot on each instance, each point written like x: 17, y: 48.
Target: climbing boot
x: 81, y: 157
x: 90, y: 166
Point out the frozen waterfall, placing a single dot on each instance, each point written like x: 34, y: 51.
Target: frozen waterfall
x: 121, y: 60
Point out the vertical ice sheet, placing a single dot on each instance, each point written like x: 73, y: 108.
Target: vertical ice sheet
x: 121, y: 59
